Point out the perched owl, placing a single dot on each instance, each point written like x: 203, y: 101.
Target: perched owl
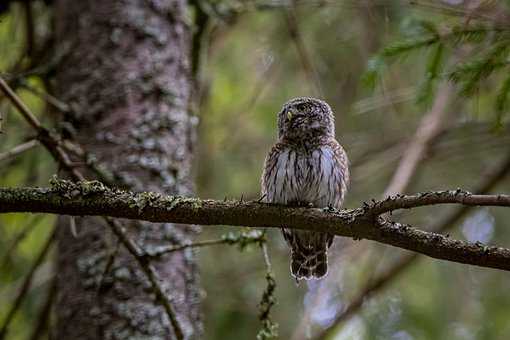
x: 306, y: 166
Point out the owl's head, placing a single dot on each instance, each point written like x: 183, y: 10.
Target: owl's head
x: 305, y: 117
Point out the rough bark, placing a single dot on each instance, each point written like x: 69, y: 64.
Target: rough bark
x: 126, y: 76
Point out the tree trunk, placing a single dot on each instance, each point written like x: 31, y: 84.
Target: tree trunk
x: 126, y: 74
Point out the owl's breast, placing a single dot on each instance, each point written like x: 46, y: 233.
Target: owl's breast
x: 319, y: 177
x: 305, y: 176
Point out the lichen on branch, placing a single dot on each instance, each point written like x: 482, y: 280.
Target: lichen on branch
x: 92, y: 198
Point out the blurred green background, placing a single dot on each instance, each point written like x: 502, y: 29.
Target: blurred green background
x: 252, y: 67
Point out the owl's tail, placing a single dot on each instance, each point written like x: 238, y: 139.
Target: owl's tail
x: 309, y: 258
x: 308, y: 265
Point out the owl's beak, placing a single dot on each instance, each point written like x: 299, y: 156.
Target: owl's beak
x: 289, y: 114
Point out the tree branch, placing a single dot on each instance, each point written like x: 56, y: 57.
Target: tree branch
x: 430, y: 127
x: 11, y: 247
x: 44, y: 136
x: 397, y: 202
x: 18, y: 149
x: 43, y: 318
x: 151, y: 274
x: 304, y: 56
x: 93, y: 198
x: 243, y: 239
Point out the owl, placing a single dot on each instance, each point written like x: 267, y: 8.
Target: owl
x: 306, y: 167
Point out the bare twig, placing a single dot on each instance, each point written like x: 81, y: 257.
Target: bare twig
x: 304, y: 56
x: 397, y: 202
x: 108, y: 266
x: 379, y: 102
x: 30, y: 28
x: 44, y: 315
x: 429, y: 128
x: 18, y: 149
x: 1, y: 119
x: 26, y: 284
x: 56, y: 145
x: 48, y: 98
x: 163, y: 250
x: 242, y: 239
x: 43, y: 135
x: 151, y: 274
x: 22, y: 108
x: 17, y: 239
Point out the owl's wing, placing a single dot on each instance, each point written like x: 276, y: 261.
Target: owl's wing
x: 270, y: 172
x: 342, y: 164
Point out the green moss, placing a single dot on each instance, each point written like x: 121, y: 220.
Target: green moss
x: 91, y: 187
x: 145, y: 198
x: 69, y: 188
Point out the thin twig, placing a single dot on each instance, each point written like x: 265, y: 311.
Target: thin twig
x: 1, y: 117
x: 30, y: 28
x: 44, y: 315
x: 241, y: 239
x: 163, y: 250
x: 26, y: 284
x: 151, y: 274
x: 304, y: 56
x: 429, y: 128
x: 398, y: 202
x: 22, y: 108
x: 44, y: 136
x: 108, y: 267
x: 18, y: 149
x: 57, y: 146
x: 17, y: 239
x: 267, y: 261
x: 48, y: 98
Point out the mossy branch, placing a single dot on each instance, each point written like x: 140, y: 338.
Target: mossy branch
x: 94, y: 199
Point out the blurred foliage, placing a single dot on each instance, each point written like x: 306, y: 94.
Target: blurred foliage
x: 485, y: 48
x: 379, y: 64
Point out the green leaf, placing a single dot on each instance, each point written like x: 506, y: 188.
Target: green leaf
x: 427, y: 89
x: 461, y: 34
x: 407, y: 45
x: 502, y: 101
x: 471, y: 73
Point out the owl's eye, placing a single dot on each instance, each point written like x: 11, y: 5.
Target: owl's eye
x: 301, y: 107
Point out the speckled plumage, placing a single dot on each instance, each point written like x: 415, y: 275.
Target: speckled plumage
x: 306, y: 166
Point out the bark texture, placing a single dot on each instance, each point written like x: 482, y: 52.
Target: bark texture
x: 126, y: 74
